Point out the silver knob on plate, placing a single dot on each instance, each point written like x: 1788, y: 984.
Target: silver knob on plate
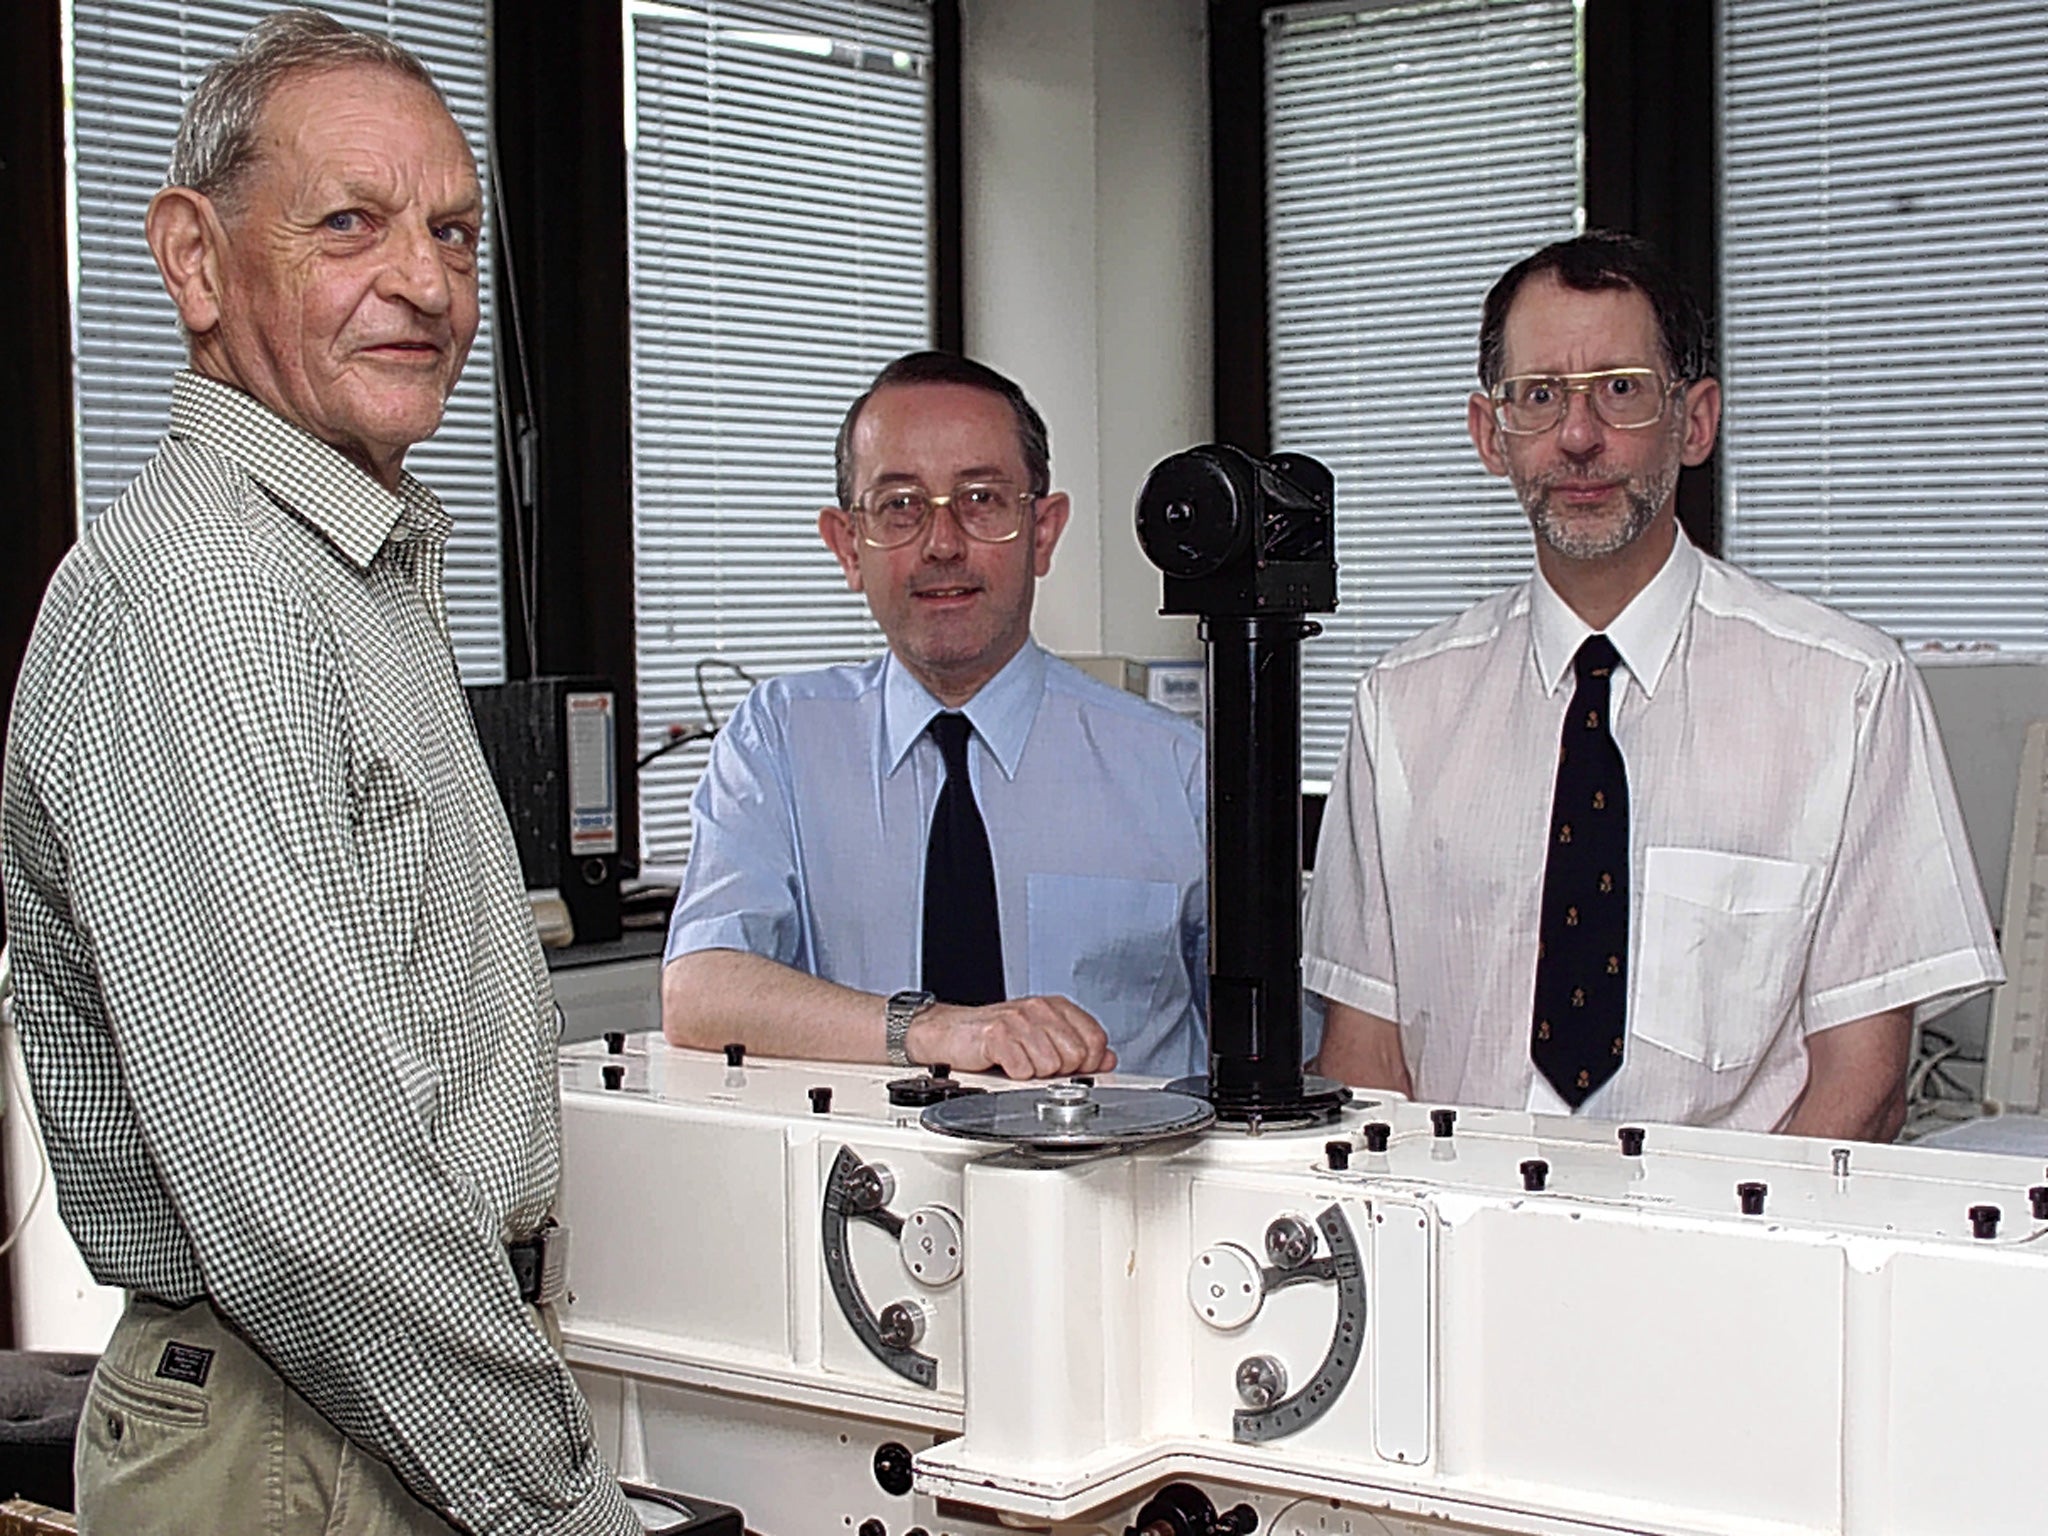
x: 902, y: 1324
x: 1261, y: 1381
x: 1290, y: 1242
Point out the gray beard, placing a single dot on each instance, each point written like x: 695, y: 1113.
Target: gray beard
x: 1646, y: 498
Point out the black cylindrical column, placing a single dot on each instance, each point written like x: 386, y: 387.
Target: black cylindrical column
x: 1249, y: 546
x: 1254, y: 714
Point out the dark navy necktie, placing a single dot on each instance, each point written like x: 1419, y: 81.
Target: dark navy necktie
x: 963, y: 936
x: 1581, y: 1015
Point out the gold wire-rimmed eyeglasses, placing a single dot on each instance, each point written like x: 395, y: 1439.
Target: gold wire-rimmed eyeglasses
x: 1625, y: 398
x: 988, y: 511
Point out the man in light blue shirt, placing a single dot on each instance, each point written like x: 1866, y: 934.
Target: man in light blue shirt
x: 799, y: 928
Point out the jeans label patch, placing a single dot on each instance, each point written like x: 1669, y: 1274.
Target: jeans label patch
x: 185, y: 1362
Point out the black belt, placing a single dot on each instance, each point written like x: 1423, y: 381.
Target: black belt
x: 540, y: 1264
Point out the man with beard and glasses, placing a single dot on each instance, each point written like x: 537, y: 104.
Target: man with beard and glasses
x: 965, y: 850
x: 1643, y: 838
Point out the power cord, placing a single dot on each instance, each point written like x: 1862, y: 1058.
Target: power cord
x: 681, y: 735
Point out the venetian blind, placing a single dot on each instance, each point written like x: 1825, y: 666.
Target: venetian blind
x: 133, y: 64
x: 1415, y: 151
x: 1885, y: 310
x: 780, y: 211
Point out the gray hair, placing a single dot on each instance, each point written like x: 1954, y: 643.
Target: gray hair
x: 217, y: 137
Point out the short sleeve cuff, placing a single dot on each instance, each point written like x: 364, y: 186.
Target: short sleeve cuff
x: 1929, y: 987
x: 728, y: 931
x: 1349, y: 987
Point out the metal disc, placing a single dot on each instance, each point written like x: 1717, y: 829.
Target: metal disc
x: 1070, y: 1117
x: 1322, y: 1100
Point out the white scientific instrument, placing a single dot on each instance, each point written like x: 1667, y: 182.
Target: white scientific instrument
x: 792, y: 1296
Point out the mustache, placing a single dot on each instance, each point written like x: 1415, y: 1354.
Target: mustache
x: 945, y: 576
x: 1579, y: 474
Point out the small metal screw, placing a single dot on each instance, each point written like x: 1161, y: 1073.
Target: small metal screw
x: 1841, y: 1162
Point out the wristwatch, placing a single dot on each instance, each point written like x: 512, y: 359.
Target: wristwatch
x: 903, y: 1007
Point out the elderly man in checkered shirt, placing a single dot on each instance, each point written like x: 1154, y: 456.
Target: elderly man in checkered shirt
x: 286, y: 1021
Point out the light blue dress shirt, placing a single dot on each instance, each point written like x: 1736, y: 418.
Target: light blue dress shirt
x: 808, y: 836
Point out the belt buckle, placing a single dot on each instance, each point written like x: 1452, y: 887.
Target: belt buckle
x: 540, y: 1264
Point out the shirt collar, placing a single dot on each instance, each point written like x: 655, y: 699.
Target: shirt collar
x: 318, y: 483
x: 1645, y: 632
x: 1001, y: 712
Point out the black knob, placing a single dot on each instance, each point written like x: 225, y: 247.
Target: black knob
x: 1535, y: 1173
x: 1240, y: 1521
x: 1751, y: 1194
x: 1376, y: 1136
x: 2039, y: 1195
x: 735, y: 1054
x: 919, y: 1091
x: 1441, y: 1121
x: 614, y: 1074
x: 1983, y: 1221
x: 615, y: 1042
x: 892, y: 1468
x: 1631, y: 1140
x: 872, y: 1527
x: 941, y: 1070
x: 821, y: 1100
x: 1339, y: 1154
x: 1083, y: 1079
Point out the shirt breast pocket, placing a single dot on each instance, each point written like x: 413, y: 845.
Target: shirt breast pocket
x: 1722, y: 951
x: 1110, y: 944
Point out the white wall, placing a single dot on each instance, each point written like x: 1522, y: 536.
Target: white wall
x: 1086, y: 252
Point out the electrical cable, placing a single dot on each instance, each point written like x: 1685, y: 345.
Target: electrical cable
x: 704, y: 694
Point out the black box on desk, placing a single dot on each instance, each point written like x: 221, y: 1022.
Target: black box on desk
x: 551, y: 746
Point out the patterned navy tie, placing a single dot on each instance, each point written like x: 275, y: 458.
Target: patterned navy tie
x: 963, y: 936
x: 1581, y: 1015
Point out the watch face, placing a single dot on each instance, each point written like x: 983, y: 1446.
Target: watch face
x: 910, y: 1001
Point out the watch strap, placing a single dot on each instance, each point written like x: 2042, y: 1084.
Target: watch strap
x: 903, y: 1007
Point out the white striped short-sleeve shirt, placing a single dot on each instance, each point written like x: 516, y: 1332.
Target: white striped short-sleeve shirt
x: 1797, y: 857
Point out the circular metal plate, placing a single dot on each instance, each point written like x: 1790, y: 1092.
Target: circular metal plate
x: 1322, y: 1100
x: 1068, y: 1117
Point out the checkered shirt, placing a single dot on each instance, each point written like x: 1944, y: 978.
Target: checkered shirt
x: 287, y: 1025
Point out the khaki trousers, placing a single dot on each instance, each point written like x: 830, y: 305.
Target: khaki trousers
x: 160, y: 1454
